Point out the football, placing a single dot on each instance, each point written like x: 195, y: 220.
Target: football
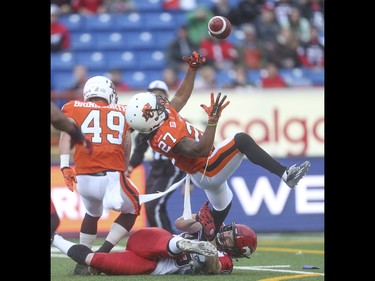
x: 219, y: 27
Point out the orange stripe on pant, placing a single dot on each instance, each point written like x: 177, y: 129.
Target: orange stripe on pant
x: 220, y: 159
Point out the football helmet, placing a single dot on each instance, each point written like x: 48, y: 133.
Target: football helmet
x: 245, y: 240
x: 158, y: 85
x: 102, y: 87
x: 146, y: 112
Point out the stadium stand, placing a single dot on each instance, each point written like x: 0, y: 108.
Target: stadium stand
x: 132, y: 21
x: 111, y: 41
x: 150, y: 6
x: 135, y: 42
x: 64, y: 61
x: 93, y: 60
x: 127, y: 60
x: 102, y: 22
x: 82, y: 41
x: 74, y: 22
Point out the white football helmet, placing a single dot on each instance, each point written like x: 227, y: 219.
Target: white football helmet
x: 102, y: 87
x: 146, y: 112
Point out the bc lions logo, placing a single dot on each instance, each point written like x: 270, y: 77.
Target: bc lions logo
x: 147, y: 112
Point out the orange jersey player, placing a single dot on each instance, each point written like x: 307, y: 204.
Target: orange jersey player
x: 100, y: 177
x: 106, y: 126
x: 108, y: 186
x: 60, y: 122
x: 194, y: 152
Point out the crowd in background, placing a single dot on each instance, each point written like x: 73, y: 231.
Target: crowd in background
x: 278, y: 35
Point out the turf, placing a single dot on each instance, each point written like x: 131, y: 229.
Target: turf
x: 278, y: 257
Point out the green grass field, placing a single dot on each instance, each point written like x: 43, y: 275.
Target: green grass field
x: 278, y: 257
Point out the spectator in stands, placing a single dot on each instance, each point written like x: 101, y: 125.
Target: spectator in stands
x: 283, y: 9
x: 184, y: 5
x: 60, y: 34
x: 267, y: 28
x: 224, y: 9
x: 313, y: 11
x: 64, y: 6
x: 240, y: 79
x: 317, y: 14
x: 206, y: 78
x: 247, y: 11
x: 221, y: 54
x: 74, y: 90
x: 80, y: 76
x: 88, y: 7
x: 311, y: 53
x: 285, y: 53
x: 116, y: 76
x: 119, y: 6
x: 300, y: 26
x: 271, y: 78
x: 197, y: 21
x: 171, y: 78
x: 250, y: 49
x: 179, y: 47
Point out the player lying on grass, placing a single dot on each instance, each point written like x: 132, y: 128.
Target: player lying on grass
x: 155, y: 251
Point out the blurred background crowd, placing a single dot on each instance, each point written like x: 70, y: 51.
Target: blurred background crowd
x: 273, y: 44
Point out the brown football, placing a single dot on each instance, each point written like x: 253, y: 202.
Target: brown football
x: 219, y: 27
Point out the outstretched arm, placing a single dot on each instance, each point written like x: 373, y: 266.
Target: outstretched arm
x: 189, y: 225
x: 62, y: 123
x: 185, y: 89
x: 192, y: 148
x: 213, y: 265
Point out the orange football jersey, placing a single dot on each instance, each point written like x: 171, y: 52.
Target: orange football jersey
x: 170, y: 133
x: 105, y: 126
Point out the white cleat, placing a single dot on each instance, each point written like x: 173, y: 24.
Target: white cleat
x: 296, y: 173
x: 200, y: 247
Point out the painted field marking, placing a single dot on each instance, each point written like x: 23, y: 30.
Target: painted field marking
x: 289, y: 250
x: 271, y: 268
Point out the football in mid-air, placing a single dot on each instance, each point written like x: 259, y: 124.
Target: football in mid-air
x: 219, y: 27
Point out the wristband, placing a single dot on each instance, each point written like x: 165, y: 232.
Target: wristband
x: 211, y: 124
x: 64, y: 160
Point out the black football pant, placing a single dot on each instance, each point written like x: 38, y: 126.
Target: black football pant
x: 156, y: 210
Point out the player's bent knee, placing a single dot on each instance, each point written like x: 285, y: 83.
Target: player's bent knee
x: 243, y: 140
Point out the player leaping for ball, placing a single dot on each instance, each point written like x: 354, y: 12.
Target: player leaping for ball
x: 193, y: 151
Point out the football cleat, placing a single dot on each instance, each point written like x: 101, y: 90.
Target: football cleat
x: 294, y: 174
x: 200, y: 247
x: 81, y: 270
x: 94, y: 271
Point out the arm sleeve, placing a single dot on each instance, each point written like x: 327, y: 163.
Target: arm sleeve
x: 140, y: 149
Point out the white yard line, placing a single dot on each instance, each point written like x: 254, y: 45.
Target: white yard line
x: 271, y: 268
